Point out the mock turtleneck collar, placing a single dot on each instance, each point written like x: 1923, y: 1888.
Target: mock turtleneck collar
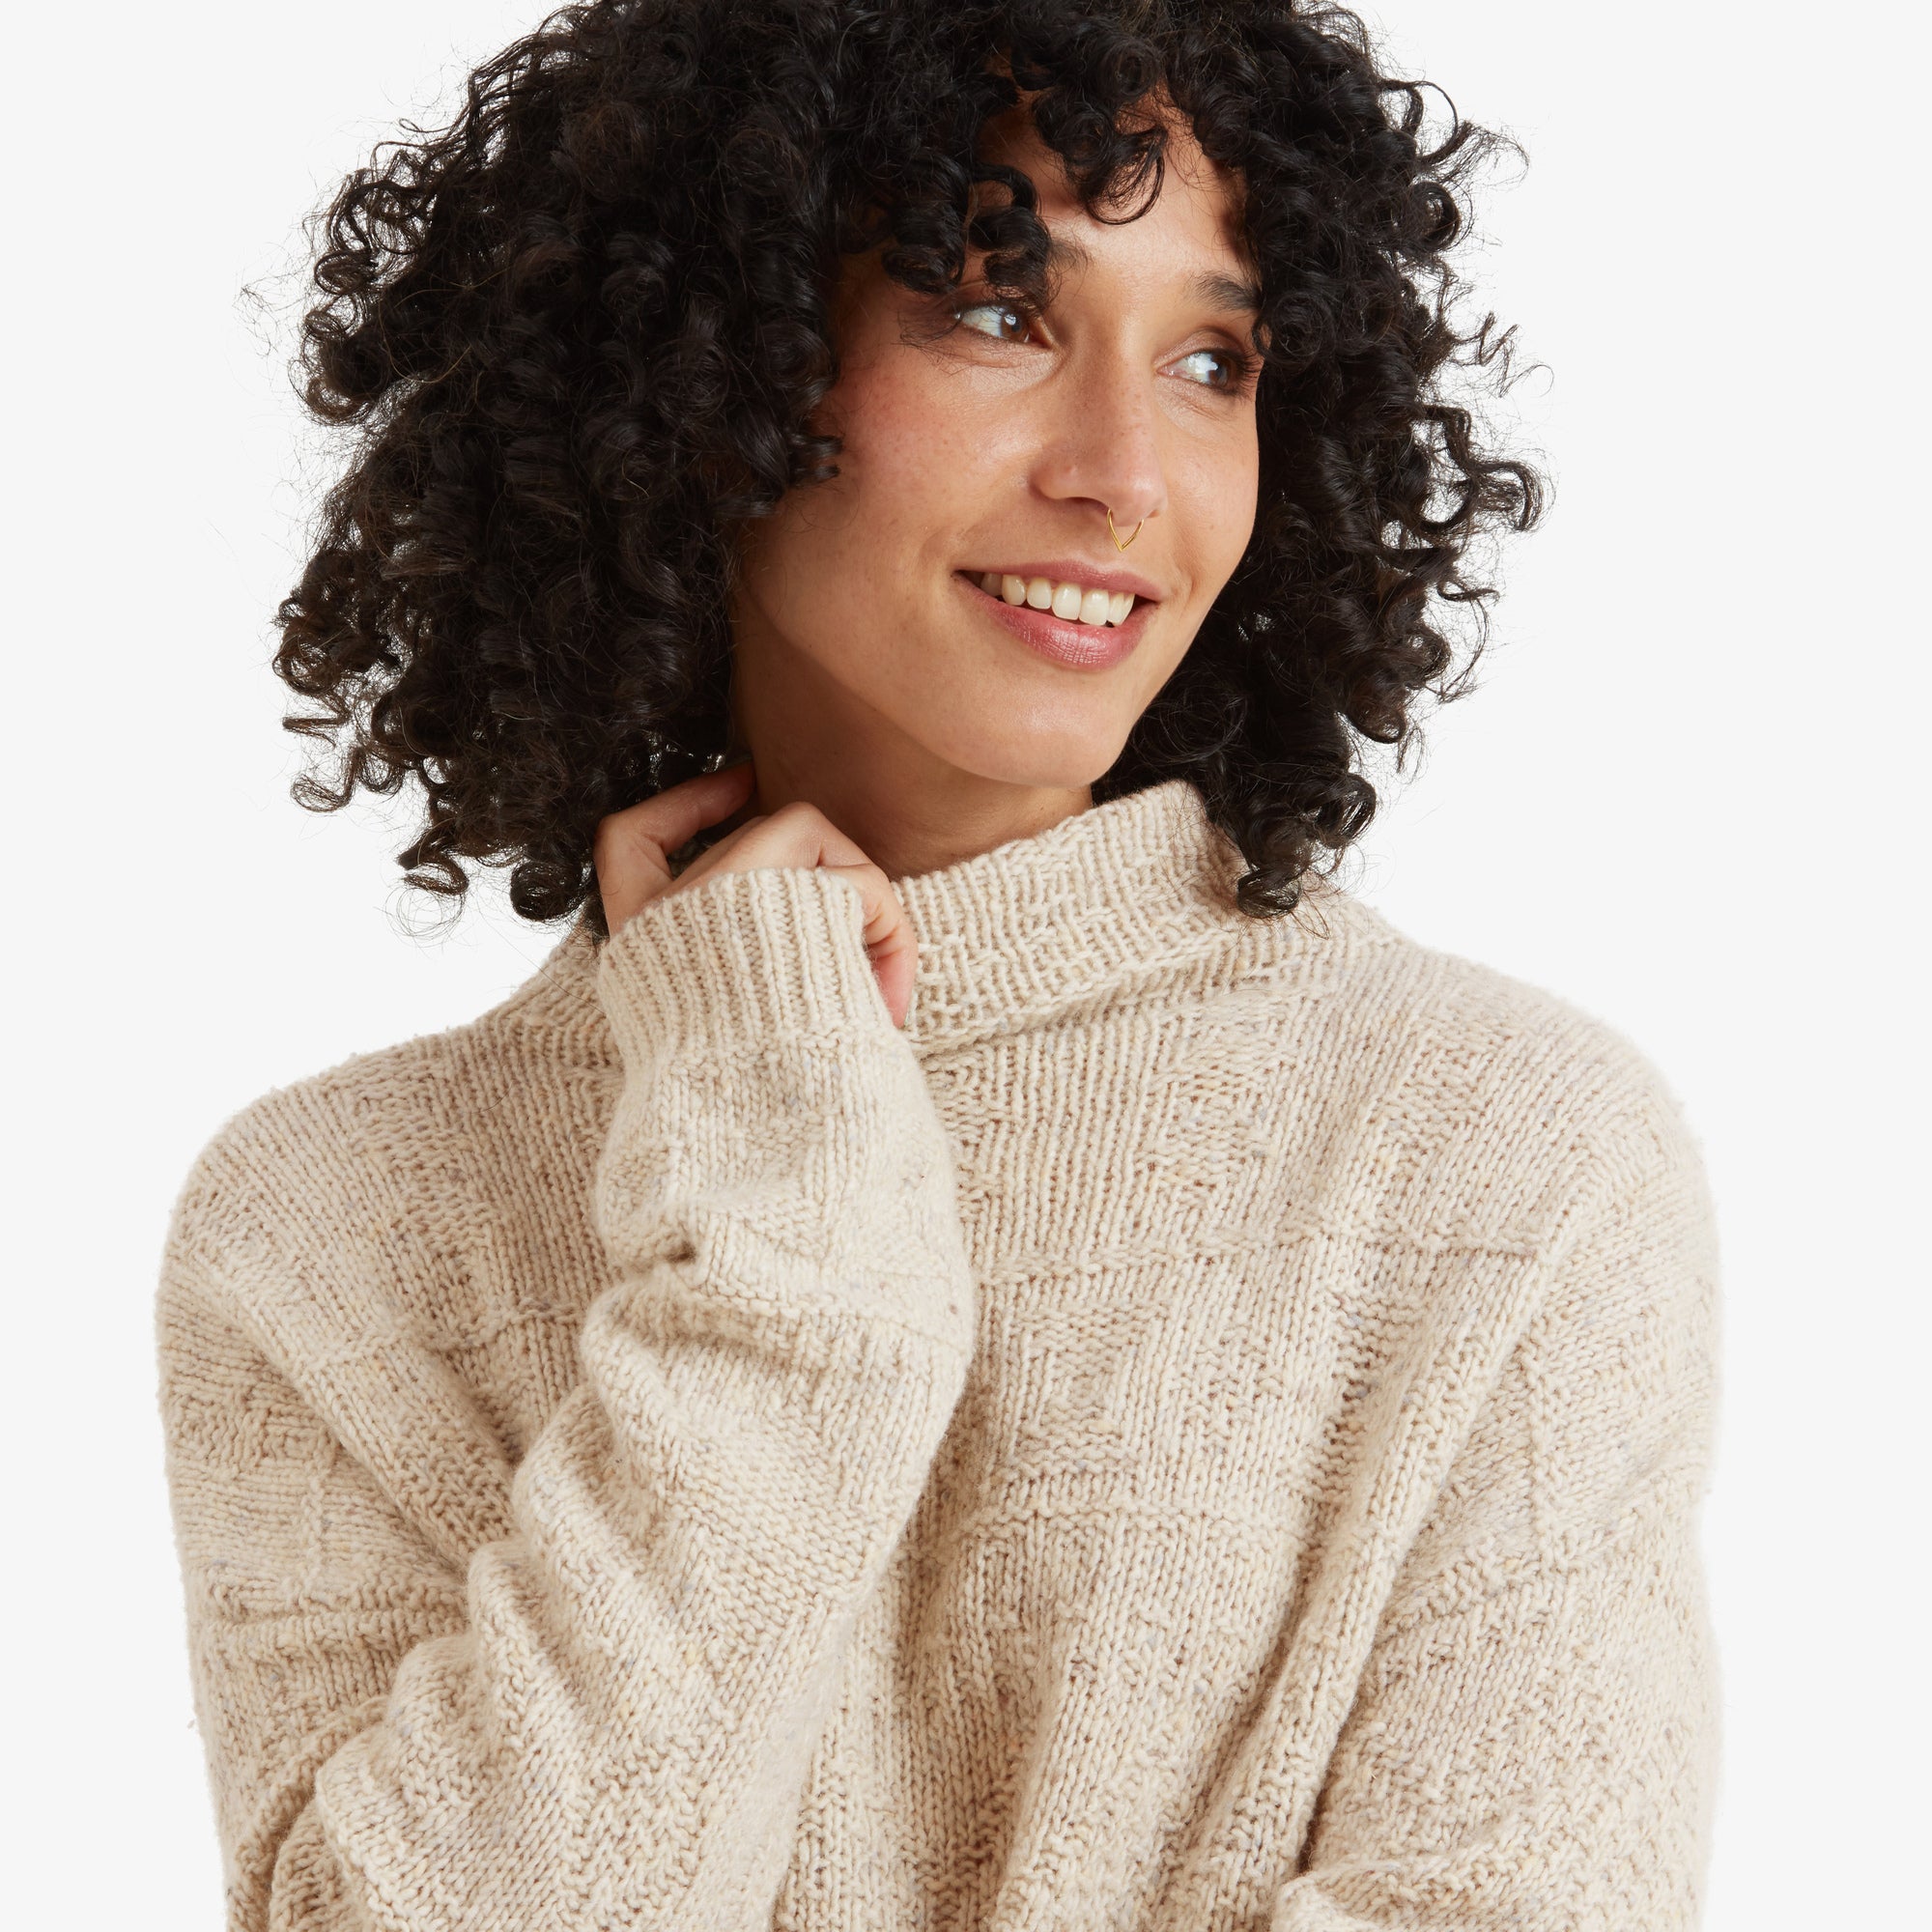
x: 1133, y: 891
x: 1068, y: 917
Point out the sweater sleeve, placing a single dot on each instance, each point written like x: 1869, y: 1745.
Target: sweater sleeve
x: 613, y: 1715
x: 1534, y: 1741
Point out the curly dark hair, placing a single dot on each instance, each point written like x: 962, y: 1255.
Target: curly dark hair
x: 582, y: 330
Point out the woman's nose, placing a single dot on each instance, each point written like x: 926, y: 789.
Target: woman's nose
x: 1105, y: 448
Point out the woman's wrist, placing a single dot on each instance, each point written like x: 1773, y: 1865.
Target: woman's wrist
x: 740, y: 958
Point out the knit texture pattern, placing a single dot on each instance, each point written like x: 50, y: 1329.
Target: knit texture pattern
x: 1204, y: 1428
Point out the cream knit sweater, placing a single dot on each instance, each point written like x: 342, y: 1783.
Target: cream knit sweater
x: 1203, y: 1429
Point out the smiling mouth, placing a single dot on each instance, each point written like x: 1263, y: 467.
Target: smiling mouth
x: 1073, y: 603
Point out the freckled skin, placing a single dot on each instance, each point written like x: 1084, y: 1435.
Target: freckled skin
x: 866, y: 679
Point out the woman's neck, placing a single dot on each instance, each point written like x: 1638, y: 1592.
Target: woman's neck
x: 909, y: 809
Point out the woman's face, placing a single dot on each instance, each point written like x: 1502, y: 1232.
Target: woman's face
x: 877, y: 613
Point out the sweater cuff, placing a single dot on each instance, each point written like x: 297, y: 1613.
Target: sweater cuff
x: 777, y: 949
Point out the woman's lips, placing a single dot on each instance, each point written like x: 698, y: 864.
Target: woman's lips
x: 1064, y: 640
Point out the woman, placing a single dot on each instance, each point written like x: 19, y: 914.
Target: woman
x: 982, y: 1345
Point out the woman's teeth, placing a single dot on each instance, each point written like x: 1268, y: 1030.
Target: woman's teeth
x: 1071, y: 600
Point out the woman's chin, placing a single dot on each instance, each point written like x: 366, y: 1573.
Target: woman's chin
x: 1055, y: 760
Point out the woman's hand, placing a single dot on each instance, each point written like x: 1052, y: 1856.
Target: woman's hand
x: 632, y: 857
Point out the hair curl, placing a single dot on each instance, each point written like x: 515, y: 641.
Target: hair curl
x: 580, y: 332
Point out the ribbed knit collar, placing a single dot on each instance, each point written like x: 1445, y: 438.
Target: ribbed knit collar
x: 1112, y: 904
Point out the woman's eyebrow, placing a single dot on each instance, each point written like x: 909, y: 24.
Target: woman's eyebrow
x: 1211, y: 288
x: 1216, y: 291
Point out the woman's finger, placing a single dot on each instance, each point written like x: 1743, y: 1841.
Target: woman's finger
x: 674, y: 817
x: 889, y: 937
x: 631, y: 854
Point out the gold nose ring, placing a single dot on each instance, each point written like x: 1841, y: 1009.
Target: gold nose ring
x: 1116, y: 535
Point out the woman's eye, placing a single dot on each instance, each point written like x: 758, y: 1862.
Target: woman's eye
x: 1213, y: 368
x: 997, y: 319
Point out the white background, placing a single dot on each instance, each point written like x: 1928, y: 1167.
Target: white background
x: 1687, y: 798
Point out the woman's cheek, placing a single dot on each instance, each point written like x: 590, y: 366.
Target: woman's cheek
x: 927, y: 440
